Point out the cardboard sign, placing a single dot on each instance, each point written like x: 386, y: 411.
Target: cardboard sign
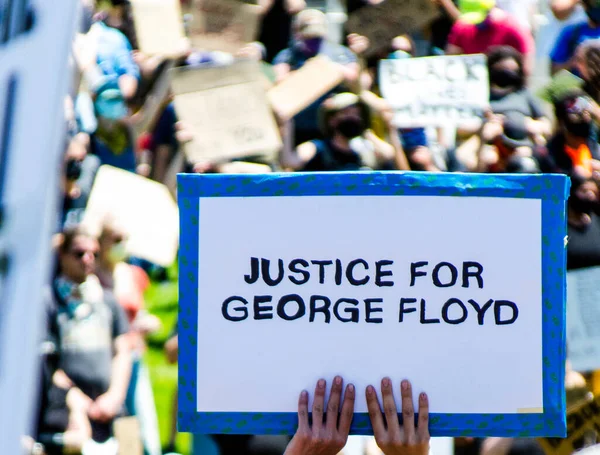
x: 144, y: 208
x: 583, y: 319
x: 310, y: 286
x: 383, y: 22
x: 227, y: 111
x: 159, y: 27
x: 435, y: 91
x: 223, y: 25
x: 304, y: 86
x: 583, y: 428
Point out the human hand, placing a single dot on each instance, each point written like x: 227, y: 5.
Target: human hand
x: 397, y: 439
x: 358, y: 43
x: 492, y: 128
x: 329, y: 437
x: 105, y: 408
x: 77, y: 401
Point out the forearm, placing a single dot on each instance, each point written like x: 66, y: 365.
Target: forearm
x: 451, y: 9
x: 121, y: 374
x: 496, y: 446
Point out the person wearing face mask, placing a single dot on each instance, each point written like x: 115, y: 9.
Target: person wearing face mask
x: 583, y: 249
x: 509, y: 95
x: 128, y: 282
x: 483, y: 26
x: 348, y: 144
x: 565, y: 53
x: 309, y: 29
x: 573, y: 150
x: 111, y: 142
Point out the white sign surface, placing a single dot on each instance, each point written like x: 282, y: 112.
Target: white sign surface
x: 465, y: 367
x: 435, y: 90
x: 583, y: 318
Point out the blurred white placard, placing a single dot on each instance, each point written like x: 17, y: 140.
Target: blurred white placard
x: 435, y: 91
x: 583, y: 319
x: 441, y: 345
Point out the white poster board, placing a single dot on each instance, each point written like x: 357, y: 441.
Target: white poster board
x: 435, y: 91
x: 583, y: 319
x: 293, y: 228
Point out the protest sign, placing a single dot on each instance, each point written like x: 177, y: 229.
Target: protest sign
x: 583, y: 428
x: 435, y: 91
x: 383, y: 22
x: 223, y: 25
x: 583, y: 319
x: 159, y: 27
x: 285, y: 279
x: 143, y: 208
x: 227, y: 111
x: 304, y: 86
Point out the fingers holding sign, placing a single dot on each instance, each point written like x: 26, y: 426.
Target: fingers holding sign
x: 323, y: 437
x: 397, y: 439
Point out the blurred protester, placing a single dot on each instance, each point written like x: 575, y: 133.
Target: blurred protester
x: 583, y: 216
x: 483, y: 26
x: 112, y: 141
x: 564, y: 54
x: 562, y: 13
x: 573, y: 149
x: 509, y: 93
x: 114, y: 60
x: 79, y: 170
x: 309, y: 40
x: 128, y: 282
x: 276, y: 24
x: 349, y: 144
x: 118, y: 15
x: 88, y: 329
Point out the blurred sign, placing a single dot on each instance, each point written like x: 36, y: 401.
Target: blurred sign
x: 304, y: 86
x: 227, y: 111
x: 583, y: 319
x: 435, y: 91
x: 159, y: 27
x: 583, y: 428
x: 144, y: 208
x: 383, y: 22
x: 224, y: 25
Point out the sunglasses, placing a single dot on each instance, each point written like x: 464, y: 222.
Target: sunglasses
x: 79, y: 254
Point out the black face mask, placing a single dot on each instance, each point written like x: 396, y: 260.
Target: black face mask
x: 583, y: 205
x: 578, y: 129
x: 350, y: 127
x: 505, y: 78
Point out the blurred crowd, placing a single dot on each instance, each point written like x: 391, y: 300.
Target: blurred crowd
x: 543, y: 59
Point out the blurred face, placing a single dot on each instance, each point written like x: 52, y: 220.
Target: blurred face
x: 113, y: 246
x: 79, y: 261
x: 348, y: 122
x: 578, y: 120
x: 506, y: 74
x: 592, y: 9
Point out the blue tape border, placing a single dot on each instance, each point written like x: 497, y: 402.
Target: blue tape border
x: 552, y: 190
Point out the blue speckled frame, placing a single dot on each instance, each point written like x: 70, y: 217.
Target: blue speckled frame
x: 552, y: 190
